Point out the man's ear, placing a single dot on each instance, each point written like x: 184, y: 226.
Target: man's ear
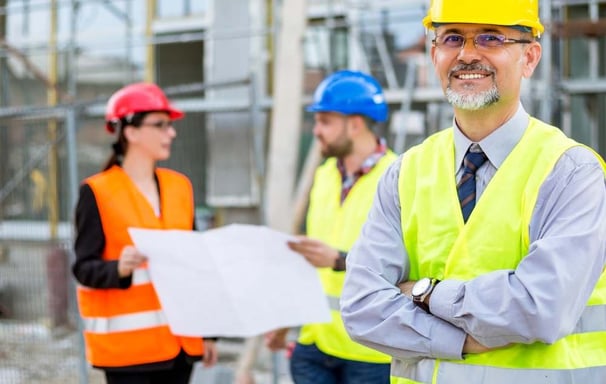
x: 357, y: 124
x: 531, y: 58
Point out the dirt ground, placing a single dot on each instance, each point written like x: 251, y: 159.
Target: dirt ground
x: 30, y: 353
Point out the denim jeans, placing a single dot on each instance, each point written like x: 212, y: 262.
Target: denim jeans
x: 309, y: 365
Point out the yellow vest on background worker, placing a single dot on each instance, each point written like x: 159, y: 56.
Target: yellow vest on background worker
x: 339, y: 225
x: 496, y: 236
x: 125, y: 327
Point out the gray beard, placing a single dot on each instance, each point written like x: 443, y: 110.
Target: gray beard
x: 473, y: 102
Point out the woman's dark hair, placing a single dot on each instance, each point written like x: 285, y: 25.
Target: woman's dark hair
x: 120, y: 146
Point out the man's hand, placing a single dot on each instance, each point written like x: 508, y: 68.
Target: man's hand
x: 276, y: 340
x: 211, y: 355
x: 471, y: 345
x: 319, y: 254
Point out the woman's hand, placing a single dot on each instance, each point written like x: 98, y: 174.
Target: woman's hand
x: 130, y: 259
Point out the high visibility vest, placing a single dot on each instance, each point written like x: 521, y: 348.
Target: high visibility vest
x: 339, y: 225
x: 495, y: 237
x: 124, y: 327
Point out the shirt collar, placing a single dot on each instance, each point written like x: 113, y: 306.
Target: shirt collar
x: 499, y: 144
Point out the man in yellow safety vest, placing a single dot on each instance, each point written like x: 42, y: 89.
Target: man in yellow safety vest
x: 482, y: 260
x: 346, y: 105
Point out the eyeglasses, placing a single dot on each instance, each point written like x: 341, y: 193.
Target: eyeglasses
x: 480, y: 41
x: 161, y: 125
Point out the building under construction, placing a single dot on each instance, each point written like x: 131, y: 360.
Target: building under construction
x: 242, y: 70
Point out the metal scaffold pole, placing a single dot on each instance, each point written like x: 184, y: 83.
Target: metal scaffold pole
x: 71, y: 129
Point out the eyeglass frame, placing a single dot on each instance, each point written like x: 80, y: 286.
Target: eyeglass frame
x: 161, y: 125
x: 502, y: 39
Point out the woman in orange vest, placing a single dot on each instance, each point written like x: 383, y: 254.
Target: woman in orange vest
x: 125, y: 330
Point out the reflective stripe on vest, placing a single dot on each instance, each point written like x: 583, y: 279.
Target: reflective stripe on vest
x: 130, y: 322
x: 423, y: 370
x: 333, y: 303
x: 452, y: 373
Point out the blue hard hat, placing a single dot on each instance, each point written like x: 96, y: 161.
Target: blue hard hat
x: 350, y: 93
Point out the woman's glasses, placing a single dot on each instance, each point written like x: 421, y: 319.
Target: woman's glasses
x: 161, y: 125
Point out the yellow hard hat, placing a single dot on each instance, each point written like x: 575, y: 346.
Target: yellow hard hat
x: 499, y: 12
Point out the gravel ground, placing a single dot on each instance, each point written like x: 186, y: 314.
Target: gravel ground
x: 30, y: 353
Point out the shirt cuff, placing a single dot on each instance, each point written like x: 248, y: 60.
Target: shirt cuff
x: 447, y: 341
x: 340, y: 262
x: 440, y: 304
x: 125, y: 282
x: 442, y: 298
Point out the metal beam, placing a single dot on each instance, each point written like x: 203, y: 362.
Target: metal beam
x: 584, y: 86
x: 578, y: 28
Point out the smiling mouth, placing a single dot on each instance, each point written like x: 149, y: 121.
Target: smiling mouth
x: 470, y: 76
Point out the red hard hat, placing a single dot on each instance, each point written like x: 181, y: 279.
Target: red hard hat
x: 134, y: 98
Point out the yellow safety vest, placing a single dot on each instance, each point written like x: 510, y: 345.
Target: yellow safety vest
x: 339, y: 226
x: 495, y: 237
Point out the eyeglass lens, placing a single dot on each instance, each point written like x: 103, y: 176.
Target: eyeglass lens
x: 483, y: 40
x: 161, y: 125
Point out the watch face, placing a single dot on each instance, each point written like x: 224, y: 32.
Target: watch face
x: 421, y: 286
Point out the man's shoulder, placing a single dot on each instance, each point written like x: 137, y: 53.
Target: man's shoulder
x: 581, y: 154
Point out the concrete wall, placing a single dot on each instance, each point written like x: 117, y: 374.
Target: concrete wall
x: 232, y: 176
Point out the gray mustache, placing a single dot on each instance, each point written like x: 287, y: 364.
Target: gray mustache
x: 471, y: 67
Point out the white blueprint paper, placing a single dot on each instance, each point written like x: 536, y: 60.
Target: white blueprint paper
x: 234, y: 281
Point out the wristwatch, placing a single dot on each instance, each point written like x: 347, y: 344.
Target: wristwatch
x: 421, y: 289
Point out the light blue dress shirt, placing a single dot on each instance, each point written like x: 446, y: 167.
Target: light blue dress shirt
x: 541, y: 300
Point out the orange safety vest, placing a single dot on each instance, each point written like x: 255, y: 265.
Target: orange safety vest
x: 124, y: 327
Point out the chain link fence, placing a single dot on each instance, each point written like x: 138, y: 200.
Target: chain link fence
x: 40, y: 340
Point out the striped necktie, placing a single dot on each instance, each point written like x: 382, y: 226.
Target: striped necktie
x: 466, y: 187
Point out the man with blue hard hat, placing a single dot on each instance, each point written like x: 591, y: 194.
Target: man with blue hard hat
x: 346, y: 105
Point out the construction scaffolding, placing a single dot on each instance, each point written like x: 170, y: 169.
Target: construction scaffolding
x: 235, y: 68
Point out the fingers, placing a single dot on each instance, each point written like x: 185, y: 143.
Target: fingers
x: 303, y: 243
x: 130, y: 259
x: 298, y: 246
x: 305, y: 246
x: 471, y: 345
x: 316, y: 252
x: 211, y: 356
x: 276, y: 340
